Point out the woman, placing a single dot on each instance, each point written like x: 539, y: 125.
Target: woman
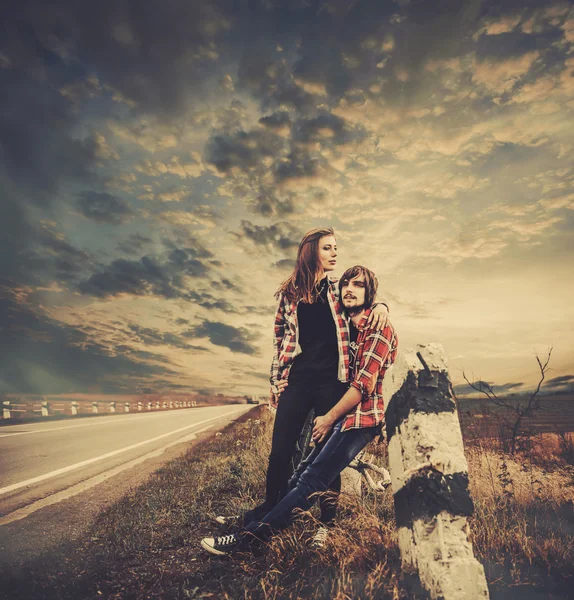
x: 311, y: 350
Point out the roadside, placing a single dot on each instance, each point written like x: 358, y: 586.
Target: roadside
x: 146, y: 543
x: 34, y: 534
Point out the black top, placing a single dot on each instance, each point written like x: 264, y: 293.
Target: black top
x: 317, y: 337
x: 354, y: 334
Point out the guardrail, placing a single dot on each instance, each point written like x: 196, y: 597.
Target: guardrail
x: 20, y: 410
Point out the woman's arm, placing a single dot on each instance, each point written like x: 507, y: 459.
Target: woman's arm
x: 278, y: 333
x: 379, y: 316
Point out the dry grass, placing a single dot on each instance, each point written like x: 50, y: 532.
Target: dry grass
x: 147, y: 545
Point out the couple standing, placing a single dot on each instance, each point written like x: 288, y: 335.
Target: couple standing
x: 332, y: 347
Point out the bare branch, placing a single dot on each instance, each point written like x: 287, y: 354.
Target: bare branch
x: 488, y: 392
x: 534, y: 399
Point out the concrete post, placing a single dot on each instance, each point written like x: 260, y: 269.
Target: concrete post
x: 171, y: 403
x: 6, y: 409
x: 164, y: 404
x: 74, y: 407
x: 149, y: 405
x: 157, y: 405
x: 429, y: 475
x: 127, y: 407
x: 140, y: 406
x: 45, y: 408
x: 112, y: 407
x: 95, y: 407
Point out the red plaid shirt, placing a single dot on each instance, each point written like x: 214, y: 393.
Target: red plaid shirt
x: 286, y: 336
x: 376, y: 352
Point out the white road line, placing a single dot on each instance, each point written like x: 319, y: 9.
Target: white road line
x: 78, y: 488
x: 97, y: 421
x: 21, y: 484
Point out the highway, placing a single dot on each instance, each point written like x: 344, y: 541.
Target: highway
x: 44, y: 464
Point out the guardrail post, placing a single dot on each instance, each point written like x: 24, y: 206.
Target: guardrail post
x: 6, y: 409
x: 171, y: 403
x: 429, y: 475
x: 164, y: 404
x: 95, y: 407
x: 112, y: 407
x: 74, y: 407
x: 157, y: 405
x: 140, y: 406
x: 149, y: 405
x: 45, y: 408
x: 127, y: 407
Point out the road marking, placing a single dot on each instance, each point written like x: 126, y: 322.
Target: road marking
x: 78, y: 488
x: 98, y: 421
x: 51, y: 474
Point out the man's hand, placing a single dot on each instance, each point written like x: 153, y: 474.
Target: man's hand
x: 321, y: 429
x: 378, y: 318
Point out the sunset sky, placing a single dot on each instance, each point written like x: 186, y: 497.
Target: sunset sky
x: 160, y: 161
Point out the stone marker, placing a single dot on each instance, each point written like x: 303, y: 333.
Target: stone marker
x: 429, y: 475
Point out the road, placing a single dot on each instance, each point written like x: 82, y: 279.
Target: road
x: 49, y: 469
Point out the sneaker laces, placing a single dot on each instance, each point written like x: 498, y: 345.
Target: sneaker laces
x: 320, y: 537
x: 226, y: 540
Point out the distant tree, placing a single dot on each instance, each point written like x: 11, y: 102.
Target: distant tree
x: 517, y: 409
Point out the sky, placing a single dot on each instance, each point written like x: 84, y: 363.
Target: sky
x: 160, y: 161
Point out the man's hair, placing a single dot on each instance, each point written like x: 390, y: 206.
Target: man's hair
x: 371, y: 283
x: 300, y: 285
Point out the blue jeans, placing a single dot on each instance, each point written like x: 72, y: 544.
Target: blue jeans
x: 326, y: 465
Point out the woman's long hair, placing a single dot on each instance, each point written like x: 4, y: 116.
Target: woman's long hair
x: 300, y: 285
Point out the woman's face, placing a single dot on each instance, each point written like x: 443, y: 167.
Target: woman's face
x: 327, y: 253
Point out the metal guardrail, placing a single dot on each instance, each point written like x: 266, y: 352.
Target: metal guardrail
x: 14, y: 411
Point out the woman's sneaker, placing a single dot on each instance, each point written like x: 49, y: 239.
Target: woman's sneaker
x: 320, y: 538
x: 221, y: 545
x: 231, y: 521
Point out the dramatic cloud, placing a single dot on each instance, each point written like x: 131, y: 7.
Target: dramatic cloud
x: 151, y: 275
x: 160, y: 163
x: 237, y: 339
x: 52, y: 356
x: 104, y: 208
x: 560, y: 381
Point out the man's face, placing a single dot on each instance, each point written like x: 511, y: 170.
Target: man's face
x: 353, y: 293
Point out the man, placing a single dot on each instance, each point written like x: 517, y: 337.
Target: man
x: 354, y: 421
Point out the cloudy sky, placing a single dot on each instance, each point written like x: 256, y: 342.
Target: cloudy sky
x: 160, y: 160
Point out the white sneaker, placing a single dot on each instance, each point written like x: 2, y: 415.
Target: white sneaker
x: 320, y: 538
x: 222, y: 545
x: 231, y: 520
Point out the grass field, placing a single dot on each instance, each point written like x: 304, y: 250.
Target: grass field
x: 147, y: 545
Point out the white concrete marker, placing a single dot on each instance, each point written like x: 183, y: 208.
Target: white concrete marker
x: 429, y: 475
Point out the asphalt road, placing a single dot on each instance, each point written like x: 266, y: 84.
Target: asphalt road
x: 51, y: 471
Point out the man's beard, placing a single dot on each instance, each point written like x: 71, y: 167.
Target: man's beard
x: 355, y: 310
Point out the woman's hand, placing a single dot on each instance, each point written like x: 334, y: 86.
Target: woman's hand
x: 378, y: 318
x: 273, y: 401
x: 281, y: 385
x: 321, y: 429
x: 274, y: 397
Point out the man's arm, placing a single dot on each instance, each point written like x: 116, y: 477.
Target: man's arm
x: 376, y: 349
x: 324, y: 424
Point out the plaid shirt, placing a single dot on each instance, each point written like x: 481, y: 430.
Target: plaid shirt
x: 286, y: 336
x: 376, y: 352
